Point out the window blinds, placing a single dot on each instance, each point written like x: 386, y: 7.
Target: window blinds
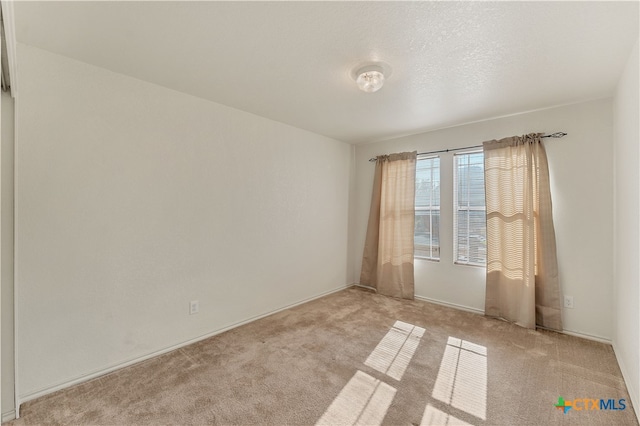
x: 427, y: 209
x: 470, y: 242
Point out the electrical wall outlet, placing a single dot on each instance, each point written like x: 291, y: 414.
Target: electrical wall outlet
x: 194, y: 307
x: 568, y: 302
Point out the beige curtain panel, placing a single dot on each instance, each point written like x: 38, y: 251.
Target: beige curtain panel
x: 522, y: 270
x: 387, y: 262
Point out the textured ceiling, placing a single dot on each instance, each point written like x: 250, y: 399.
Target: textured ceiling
x: 452, y: 62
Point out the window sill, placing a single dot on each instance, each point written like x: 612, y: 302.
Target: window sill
x: 426, y: 258
x: 476, y: 265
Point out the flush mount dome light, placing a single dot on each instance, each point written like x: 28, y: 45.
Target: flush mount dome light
x: 370, y: 77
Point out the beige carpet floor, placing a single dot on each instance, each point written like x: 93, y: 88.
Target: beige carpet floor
x: 357, y: 357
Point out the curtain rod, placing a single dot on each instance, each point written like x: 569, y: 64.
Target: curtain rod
x: 555, y: 135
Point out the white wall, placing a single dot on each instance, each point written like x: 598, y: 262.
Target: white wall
x: 6, y: 222
x: 581, y: 182
x: 133, y: 200
x: 626, y: 332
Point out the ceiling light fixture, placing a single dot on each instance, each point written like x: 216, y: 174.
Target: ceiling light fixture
x: 370, y: 78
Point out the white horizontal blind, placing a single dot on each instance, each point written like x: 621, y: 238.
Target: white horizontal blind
x: 426, y: 235
x: 469, y: 232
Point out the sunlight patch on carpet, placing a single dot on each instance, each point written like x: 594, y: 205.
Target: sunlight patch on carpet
x: 462, y: 378
x: 396, y: 349
x: 364, y: 400
x: 433, y: 416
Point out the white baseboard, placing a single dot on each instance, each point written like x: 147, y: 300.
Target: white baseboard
x: 451, y: 305
x: 8, y: 416
x: 437, y: 302
x: 98, y: 373
x: 481, y: 312
x: 633, y: 393
x: 584, y: 336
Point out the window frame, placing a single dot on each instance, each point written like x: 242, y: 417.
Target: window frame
x: 468, y: 208
x: 431, y: 209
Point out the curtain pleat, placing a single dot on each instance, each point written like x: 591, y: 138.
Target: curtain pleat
x: 522, y: 271
x: 387, y: 262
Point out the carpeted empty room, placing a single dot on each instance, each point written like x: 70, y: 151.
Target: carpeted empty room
x: 355, y: 357
x: 319, y: 213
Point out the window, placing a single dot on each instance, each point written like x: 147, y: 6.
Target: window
x: 426, y: 234
x: 469, y: 223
